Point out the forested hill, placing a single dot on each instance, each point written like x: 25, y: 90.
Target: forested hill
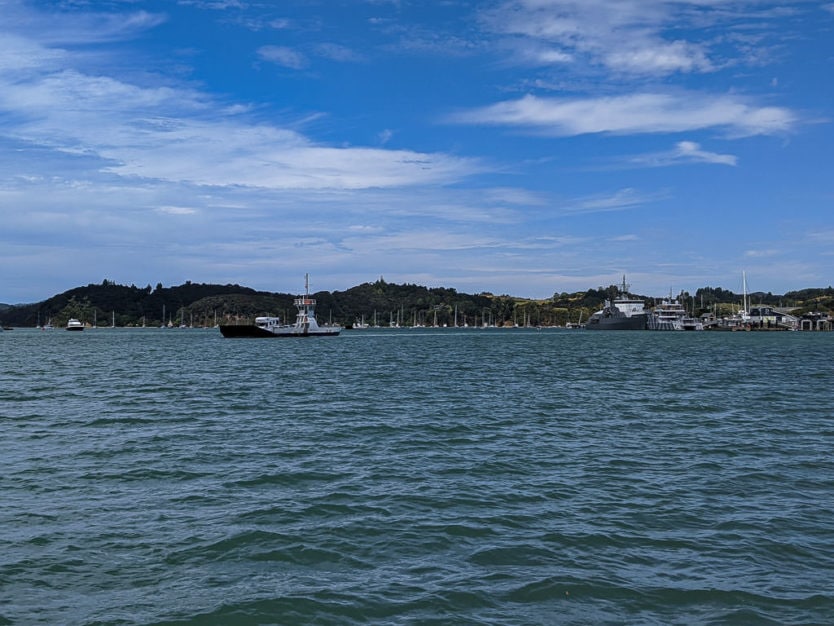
x: 380, y: 303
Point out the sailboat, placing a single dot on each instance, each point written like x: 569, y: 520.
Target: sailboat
x: 740, y: 320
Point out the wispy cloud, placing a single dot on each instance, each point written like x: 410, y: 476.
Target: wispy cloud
x: 761, y: 254
x: 620, y: 200
x: 515, y: 196
x: 20, y: 54
x: 683, y: 152
x: 215, y: 5
x: 71, y: 27
x: 823, y: 236
x: 636, y: 37
x: 385, y: 136
x: 177, y: 210
x: 272, y: 158
x: 660, y: 58
x: 632, y: 114
x: 178, y: 134
x: 283, y: 56
x: 337, y: 52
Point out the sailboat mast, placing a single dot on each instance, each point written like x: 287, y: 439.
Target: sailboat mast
x: 744, y: 288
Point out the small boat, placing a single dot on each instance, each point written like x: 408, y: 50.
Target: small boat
x: 74, y: 324
x: 692, y: 323
x: 267, y: 326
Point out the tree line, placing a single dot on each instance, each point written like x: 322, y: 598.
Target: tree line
x: 380, y: 303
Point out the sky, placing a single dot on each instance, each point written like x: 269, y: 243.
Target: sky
x: 519, y: 147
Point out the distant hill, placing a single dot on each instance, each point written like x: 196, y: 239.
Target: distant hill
x: 378, y: 303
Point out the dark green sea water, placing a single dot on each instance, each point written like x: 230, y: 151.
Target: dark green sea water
x: 416, y: 477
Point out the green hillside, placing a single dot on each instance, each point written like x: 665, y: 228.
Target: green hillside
x: 379, y: 303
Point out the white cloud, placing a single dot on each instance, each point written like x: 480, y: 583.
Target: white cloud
x: 824, y: 236
x: 535, y: 54
x: 215, y: 5
x: 385, y: 136
x: 689, y: 150
x: 516, y: 196
x: 660, y: 58
x: 71, y: 27
x: 633, y: 114
x: 761, y: 254
x: 252, y: 160
x: 19, y: 54
x: 643, y: 37
x: 553, y: 56
x: 175, y: 134
x: 177, y: 210
x: 620, y: 200
x: 336, y: 52
x: 418, y: 241
x: 683, y: 152
x: 283, y: 56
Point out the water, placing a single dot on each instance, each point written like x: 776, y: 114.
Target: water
x: 416, y: 477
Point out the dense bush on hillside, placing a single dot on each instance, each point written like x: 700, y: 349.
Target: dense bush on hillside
x: 378, y: 303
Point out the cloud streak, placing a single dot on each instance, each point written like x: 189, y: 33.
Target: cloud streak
x: 684, y: 152
x: 632, y: 114
x: 621, y: 200
x: 283, y: 56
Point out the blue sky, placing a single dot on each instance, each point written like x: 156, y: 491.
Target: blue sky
x: 521, y: 147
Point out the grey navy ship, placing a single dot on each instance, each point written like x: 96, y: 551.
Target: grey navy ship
x: 623, y: 313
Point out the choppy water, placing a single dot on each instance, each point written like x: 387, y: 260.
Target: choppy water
x: 416, y: 477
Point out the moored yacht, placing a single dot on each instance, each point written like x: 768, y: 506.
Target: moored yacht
x: 668, y: 315
x: 74, y: 324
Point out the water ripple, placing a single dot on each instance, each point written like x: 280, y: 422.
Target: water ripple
x: 402, y: 477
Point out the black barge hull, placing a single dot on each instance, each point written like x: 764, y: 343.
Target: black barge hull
x: 248, y: 331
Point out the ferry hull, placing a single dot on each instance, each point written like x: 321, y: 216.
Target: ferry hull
x: 268, y: 326
x: 249, y: 331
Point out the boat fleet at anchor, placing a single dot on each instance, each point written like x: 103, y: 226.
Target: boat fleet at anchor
x: 622, y: 313
x: 627, y: 313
